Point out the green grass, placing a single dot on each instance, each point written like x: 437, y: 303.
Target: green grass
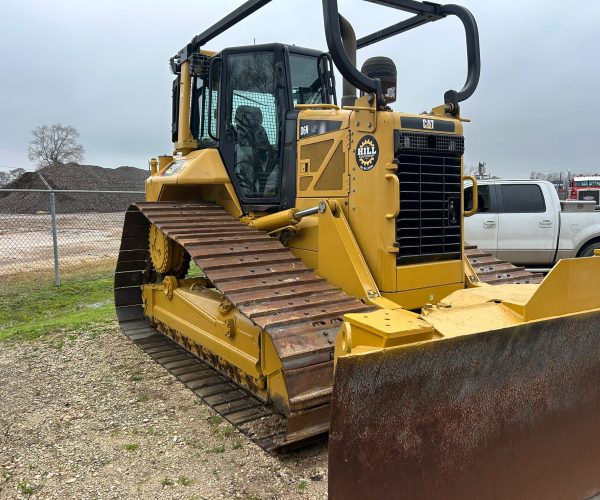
x: 214, y: 420
x: 195, y: 271
x: 25, y: 488
x: 184, y: 481
x: 142, y: 398
x: 216, y: 449
x: 131, y: 446
x: 31, y: 307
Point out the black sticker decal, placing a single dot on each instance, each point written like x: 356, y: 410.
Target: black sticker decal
x: 308, y: 128
x: 367, y: 152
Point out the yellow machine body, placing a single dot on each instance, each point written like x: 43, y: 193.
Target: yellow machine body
x: 422, y: 348
x: 352, y: 243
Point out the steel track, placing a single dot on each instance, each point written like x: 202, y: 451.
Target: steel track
x: 493, y: 271
x: 299, y: 310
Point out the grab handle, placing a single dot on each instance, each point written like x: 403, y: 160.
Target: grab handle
x: 396, y: 196
x: 475, y: 198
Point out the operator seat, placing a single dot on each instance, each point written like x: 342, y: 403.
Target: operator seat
x: 252, y: 151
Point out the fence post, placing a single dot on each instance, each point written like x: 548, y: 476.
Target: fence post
x: 54, y: 237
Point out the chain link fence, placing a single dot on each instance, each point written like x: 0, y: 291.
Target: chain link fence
x: 53, y: 230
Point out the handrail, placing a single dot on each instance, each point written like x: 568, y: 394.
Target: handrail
x: 475, y: 206
x: 473, y: 57
x: 333, y: 36
x: 323, y: 105
x: 425, y: 12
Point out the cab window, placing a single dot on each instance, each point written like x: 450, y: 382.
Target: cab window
x: 484, y: 200
x: 307, y: 84
x: 522, y: 198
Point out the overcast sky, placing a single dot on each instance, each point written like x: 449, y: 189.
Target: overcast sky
x: 101, y: 66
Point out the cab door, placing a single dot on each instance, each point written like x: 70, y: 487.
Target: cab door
x: 481, y: 229
x: 527, y: 225
x: 250, y: 129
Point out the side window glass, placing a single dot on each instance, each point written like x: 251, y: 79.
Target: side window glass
x: 483, y: 199
x: 210, y: 101
x: 204, y: 119
x: 522, y: 198
x: 254, y: 119
x: 307, y: 85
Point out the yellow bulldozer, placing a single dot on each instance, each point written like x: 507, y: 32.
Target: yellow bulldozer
x: 300, y: 265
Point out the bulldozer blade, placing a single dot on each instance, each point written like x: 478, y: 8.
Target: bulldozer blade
x: 511, y: 413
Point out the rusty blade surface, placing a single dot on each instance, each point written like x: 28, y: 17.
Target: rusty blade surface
x: 513, y: 413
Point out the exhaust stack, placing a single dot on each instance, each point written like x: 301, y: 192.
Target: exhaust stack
x: 349, y: 42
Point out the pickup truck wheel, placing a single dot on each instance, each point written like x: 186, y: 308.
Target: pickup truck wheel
x: 588, y: 251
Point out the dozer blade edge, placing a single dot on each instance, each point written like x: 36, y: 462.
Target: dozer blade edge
x: 512, y: 413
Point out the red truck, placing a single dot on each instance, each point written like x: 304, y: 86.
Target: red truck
x: 585, y: 188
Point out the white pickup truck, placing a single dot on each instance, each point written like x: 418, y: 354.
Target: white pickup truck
x: 525, y: 223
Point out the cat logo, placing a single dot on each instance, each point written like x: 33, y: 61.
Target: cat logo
x: 367, y: 152
x: 428, y: 124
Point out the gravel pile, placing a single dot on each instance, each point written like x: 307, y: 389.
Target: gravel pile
x: 74, y: 176
x: 90, y: 416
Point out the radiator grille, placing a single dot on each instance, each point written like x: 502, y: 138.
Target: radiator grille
x: 589, y: 194
x: 428, y: 227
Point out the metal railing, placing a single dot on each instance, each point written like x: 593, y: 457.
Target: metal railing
x: 41, y: 229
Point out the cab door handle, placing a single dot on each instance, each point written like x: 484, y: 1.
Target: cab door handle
x: 489, y: 224
x: 546, y: 223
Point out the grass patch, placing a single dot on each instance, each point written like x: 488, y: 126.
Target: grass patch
x: 184, y: 481
x: 131, y: 446
x: 216, y: 449
x: 142, y: 398
x: 25, y: 488
x: 301, y: 485
x: 214, y: 420
x: 32, y: 308
x: 195, y: 271
x: 237, y: 444
x: 167, y: 481
x: 227, y: 431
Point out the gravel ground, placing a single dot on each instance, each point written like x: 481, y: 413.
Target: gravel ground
x: 91, y: 416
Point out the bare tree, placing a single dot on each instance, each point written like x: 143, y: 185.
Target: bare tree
x: 55, y: 143
x: 538, y: 176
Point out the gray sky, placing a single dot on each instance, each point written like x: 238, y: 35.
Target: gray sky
x: 101, y: 66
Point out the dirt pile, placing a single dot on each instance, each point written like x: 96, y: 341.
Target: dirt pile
x: 75, y: 176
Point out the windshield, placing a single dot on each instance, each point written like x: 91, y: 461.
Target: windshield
x: 307, y: 86
x: 588, y: 183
